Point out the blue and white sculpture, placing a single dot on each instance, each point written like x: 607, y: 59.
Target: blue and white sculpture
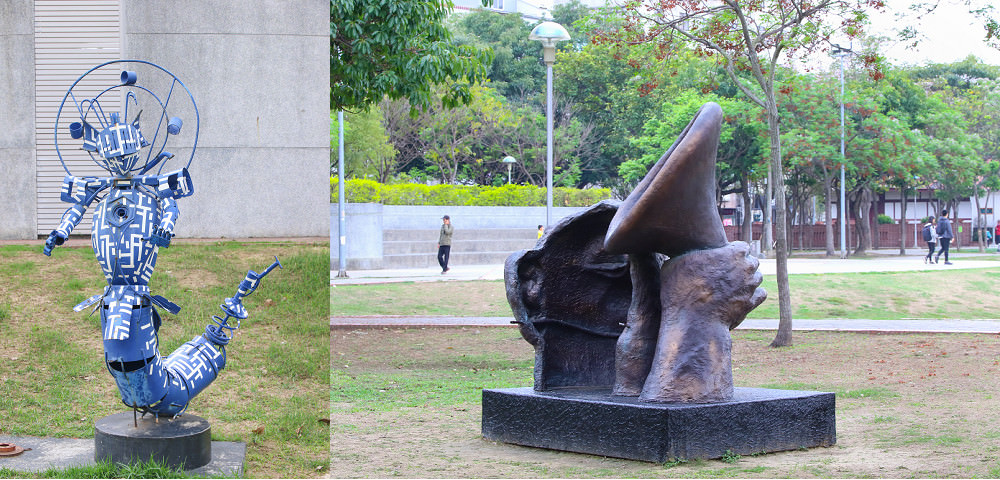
x: 134, y: 215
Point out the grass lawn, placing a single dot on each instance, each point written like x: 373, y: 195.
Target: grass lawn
x: 272, y: 394
x: 963, y: 294
x: 406, y: 403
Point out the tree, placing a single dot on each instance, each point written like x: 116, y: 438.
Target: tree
x: 739, y: 141
x: 811, y: 137
x: 570, y: 15
x: 606, y: 91
x: 397, y: 48
x: 451, y: 135
x: 750, y: 37
x: 958, y: 152
x: 515, y: 72
x: 367, y: 150
x: 972, y: 90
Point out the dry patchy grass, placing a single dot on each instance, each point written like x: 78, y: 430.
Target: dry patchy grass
x: 918, y: 405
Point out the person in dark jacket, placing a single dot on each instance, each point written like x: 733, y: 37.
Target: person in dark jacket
x: 444, y: 243
x: 945, y: 235
x: 930, y: 236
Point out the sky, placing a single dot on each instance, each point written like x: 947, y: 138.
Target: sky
x: 951, y: 35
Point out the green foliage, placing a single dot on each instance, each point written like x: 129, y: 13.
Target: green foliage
x: 577, y: 197
x: 620, y: 105
x: 515, y: 71
x: 368, y: 191
x: 466, y: 144
x: 604, y: 92
x: 740, y: 140
x: 367, y: 150
x: 513, y: 196
x: 397, y: 48
x: 360, y: 190
x: 730, y: 457
x: 884, y: 219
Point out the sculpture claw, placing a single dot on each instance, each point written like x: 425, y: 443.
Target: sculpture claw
x: 54, y: 239
x: 160, y: 237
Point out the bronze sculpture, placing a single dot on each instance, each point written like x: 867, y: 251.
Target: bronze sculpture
x: 629, y: 307
x: 640, y: 296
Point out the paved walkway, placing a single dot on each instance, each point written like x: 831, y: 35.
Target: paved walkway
x: 880, y: 262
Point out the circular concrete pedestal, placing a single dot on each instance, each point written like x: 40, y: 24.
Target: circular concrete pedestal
x: 185, y: 441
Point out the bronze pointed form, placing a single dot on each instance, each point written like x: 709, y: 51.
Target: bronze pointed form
x: 673, y: 209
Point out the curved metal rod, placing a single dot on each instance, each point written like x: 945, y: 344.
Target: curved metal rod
x: 69, y: 93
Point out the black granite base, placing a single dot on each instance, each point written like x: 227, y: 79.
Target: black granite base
x: 185, y: 441
x: 757, y: 420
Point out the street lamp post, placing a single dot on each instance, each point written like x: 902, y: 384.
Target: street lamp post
x: 549, y: 33
x: 341, y: 206
x: 510, y: 161
x: 841, y: 53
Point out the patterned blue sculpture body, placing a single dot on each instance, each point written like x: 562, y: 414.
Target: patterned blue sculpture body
x: 133, y: 216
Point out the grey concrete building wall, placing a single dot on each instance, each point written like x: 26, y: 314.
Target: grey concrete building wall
x: 17, y: 113
x: 259, y: 71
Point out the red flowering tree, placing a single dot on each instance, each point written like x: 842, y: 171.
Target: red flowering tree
x: 749, y: 38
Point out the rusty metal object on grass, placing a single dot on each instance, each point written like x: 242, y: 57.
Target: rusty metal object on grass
x: 10, y: 450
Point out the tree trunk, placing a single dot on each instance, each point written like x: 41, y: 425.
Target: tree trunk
x: 876, y: 229
x: 952, y: 206
x: 861, y: 209
x: 747, y: 226
x: 827, y: 194
x: 784, y: 336
x: 902, y: 222
x: 978, y: 226
x: 766, y: 239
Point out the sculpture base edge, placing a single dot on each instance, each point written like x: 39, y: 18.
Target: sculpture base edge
x: 592, y: 421
x: 185, y: 441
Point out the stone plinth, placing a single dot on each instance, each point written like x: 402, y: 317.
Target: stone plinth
x: 594, y: 422
x: 185, y: 441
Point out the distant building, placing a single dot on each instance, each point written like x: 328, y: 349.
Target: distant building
x: 586, y: 3
x: 530, y: 10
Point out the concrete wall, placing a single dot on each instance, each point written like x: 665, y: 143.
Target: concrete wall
x: 363, y: 240
x: 17, y: 113
x: 367, y: 224
x: 259, y: 72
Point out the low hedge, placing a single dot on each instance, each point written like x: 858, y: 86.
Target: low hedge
x: 370, y: 191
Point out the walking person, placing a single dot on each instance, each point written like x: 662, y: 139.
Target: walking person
x: 996, y: 236
x: 444, y: 243
x: 945, y: 235
x: 931, y: 237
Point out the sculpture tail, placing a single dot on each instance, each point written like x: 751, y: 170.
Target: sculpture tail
x: 165, y: 386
